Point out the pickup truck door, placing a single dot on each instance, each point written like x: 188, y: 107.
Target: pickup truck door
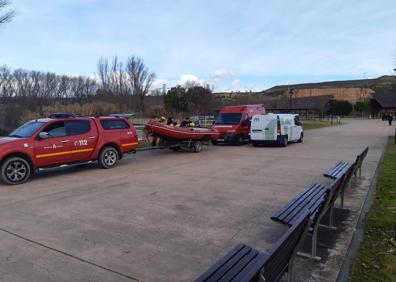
x: 82, y: 136
x: 52, y: 151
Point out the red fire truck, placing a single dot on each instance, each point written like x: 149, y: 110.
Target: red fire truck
x: 64, y: 139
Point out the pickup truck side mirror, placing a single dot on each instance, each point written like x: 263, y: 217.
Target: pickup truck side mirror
x: 43, y: 135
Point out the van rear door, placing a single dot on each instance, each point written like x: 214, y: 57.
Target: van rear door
x: 264, y: 128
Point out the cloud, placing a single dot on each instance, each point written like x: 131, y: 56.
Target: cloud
x: 186, y: 79
x: 329, y: 39
x: 159, y: 82
x: 223, y: 73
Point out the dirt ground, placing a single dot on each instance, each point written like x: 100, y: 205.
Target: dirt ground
x: 167, y: 216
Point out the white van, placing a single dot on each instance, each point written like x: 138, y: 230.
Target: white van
x: 276, y: 128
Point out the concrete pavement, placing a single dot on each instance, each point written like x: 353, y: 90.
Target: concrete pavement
x: 168, y: 216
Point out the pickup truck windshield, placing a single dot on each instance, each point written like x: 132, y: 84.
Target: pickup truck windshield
x: 228, y: 118
x: 27, y: 130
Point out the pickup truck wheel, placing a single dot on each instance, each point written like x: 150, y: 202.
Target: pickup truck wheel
x: 108, y: 157
x: 240, y: 140
x: 215, y: 142
x: 15, y: 170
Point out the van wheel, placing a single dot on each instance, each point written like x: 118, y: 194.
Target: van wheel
x: 301, y: 138
x: 108, y: 157
x: 15, y: 170
x: 255, y: 144
x: 284, y: 141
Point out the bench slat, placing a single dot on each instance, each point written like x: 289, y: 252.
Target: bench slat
x: 298, y: 199
x: 239, y: 265
x: 212, y: 270
x: 305, y: 206
x: 337, y: 170
x: 242, y: 264
x: 304, y: 201
x: 274, y: 263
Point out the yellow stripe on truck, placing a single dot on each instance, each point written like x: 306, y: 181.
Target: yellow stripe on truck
x: 65, y: 153
x: 129, y: 144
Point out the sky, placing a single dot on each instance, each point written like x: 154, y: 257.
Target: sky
x: 235, y: 45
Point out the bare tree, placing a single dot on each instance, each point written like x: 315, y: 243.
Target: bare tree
x: 5, y: 14
x: 6, y: 83
x: 140, y: 80
x: 103, y: 72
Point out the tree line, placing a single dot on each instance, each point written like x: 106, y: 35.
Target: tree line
x: 192, y: 98
x: 132, y: 82
x: 124, y: 84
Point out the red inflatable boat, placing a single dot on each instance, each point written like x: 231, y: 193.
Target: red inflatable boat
x: 180, y: 133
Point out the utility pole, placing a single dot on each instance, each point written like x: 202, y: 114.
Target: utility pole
x: 291, y: 92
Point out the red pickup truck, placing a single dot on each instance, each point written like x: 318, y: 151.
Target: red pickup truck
x: 64, y: 139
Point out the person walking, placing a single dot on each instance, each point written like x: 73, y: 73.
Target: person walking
x: 390, y: 119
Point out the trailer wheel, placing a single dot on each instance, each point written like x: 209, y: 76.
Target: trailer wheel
x: 197, y: 147
x: 15, y: 170
x: 108, y: 157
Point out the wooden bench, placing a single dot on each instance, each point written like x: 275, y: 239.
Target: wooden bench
x: 344, y: 171
x: 317, y: 199
x: 338, y: 170
x: 244, y: 263
x: 359, y: 161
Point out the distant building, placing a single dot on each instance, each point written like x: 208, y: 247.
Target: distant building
x: 314, y: 98
x: 348, y: 90
x: 386, y: 100
x: 317, y: 105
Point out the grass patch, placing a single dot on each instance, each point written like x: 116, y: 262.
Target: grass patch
x: 313, y: 124
x: 376, y: 258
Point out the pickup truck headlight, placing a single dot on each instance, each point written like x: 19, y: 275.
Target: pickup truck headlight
x: 231, y: 131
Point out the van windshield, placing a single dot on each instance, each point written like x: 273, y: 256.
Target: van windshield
x: 229, y: 118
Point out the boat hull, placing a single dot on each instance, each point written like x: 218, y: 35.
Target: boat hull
x: 181, y: 133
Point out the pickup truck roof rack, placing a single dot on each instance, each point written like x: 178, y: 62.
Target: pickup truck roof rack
x: 122, y: 115
x: 62, y: 115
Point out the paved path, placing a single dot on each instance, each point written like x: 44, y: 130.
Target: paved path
x: 165, y: 216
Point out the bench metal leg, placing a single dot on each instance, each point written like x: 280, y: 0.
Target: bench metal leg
x: 331, y: 215
x: 330, y: 225
x: 314, y: 242
x: 342, y: 197
x: 290, y: 270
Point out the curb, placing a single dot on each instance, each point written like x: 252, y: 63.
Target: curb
x: 344, y: 274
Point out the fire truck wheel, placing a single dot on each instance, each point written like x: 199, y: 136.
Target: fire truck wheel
x: 108, y: 157
x: 15, y: 170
